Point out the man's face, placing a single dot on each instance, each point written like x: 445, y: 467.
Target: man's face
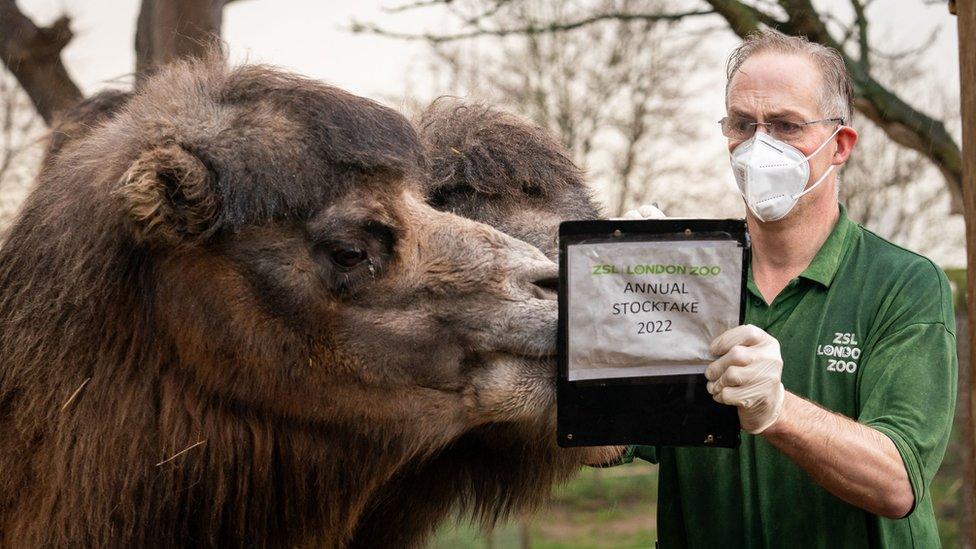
x: 785, y: 86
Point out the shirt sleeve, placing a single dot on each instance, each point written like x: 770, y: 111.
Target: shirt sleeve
x: 907, y: 389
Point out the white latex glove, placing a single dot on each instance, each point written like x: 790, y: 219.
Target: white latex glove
x: 647, y: 211
x: 747, y: 375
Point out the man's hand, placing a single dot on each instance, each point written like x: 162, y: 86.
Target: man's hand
x: 747, y: 375
x: 646, y: 211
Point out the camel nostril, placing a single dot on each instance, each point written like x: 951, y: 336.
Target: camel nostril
x: 546, y: 287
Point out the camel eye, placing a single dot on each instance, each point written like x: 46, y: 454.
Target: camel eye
x: 533, y: 191
x: 346, y: 256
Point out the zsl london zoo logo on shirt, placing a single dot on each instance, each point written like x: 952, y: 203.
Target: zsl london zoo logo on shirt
x: 842, y: 353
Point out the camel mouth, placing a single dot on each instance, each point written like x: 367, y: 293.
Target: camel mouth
x: 536, y: 350
x: 546, y: 288
x: 515, y: 388
x: 547, y: 358
x: 540, y: 355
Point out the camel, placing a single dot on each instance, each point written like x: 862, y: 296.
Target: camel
x: 228, y: 316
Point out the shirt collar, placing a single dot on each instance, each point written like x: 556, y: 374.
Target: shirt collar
x: 827, y: 261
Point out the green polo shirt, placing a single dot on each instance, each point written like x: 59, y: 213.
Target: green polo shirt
x: 867, y: 330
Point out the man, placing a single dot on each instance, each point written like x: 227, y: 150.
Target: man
x: 845, y: 374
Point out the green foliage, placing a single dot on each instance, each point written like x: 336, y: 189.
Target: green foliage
x: 599, y: 508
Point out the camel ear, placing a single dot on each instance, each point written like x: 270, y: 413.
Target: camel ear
x: 169, y: 197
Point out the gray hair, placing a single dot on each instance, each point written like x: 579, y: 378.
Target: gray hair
x: 836, y: 92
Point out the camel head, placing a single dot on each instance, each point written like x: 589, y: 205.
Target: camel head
x: 496, y: 168
x: 297, y: 268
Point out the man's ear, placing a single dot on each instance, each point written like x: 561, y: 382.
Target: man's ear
x: 846, y: 139
x: 169, y: 197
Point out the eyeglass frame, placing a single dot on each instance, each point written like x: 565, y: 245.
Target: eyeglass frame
x: 766, y: 125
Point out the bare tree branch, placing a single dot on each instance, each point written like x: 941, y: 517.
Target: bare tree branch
x: 864, y: 52
x: 418, y: 4
x: 925, y: 45
x: 33, y: 55
x: 744, y: 19
x: 531, y: 29
x: 900, y: 121
x: 847, y: 30
x: 21, y: 136
x: 499, y: 4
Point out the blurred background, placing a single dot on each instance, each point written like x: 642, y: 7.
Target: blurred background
x: 634, y: 88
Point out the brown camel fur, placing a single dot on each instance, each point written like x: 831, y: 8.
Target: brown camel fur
x: 227, y: 317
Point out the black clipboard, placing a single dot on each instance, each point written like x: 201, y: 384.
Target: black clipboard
x: 673, y: 410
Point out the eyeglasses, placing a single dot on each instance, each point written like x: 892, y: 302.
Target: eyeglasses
x: 740, y: 128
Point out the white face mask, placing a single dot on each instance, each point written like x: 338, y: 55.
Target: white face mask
x: 772, y: 175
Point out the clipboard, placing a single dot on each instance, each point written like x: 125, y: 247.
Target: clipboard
x: 630, y: 354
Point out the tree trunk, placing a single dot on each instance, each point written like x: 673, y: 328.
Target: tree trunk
x: 966, y: 20
x: 33, y: 56
x: 170, y: 29
x: 166, y: 30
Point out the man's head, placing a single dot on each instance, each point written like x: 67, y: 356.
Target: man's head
x: 786, y: 82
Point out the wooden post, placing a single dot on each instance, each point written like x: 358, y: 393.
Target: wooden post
x: 966, y: 20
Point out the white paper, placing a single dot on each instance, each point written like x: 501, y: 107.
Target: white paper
x: 649, y: 308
